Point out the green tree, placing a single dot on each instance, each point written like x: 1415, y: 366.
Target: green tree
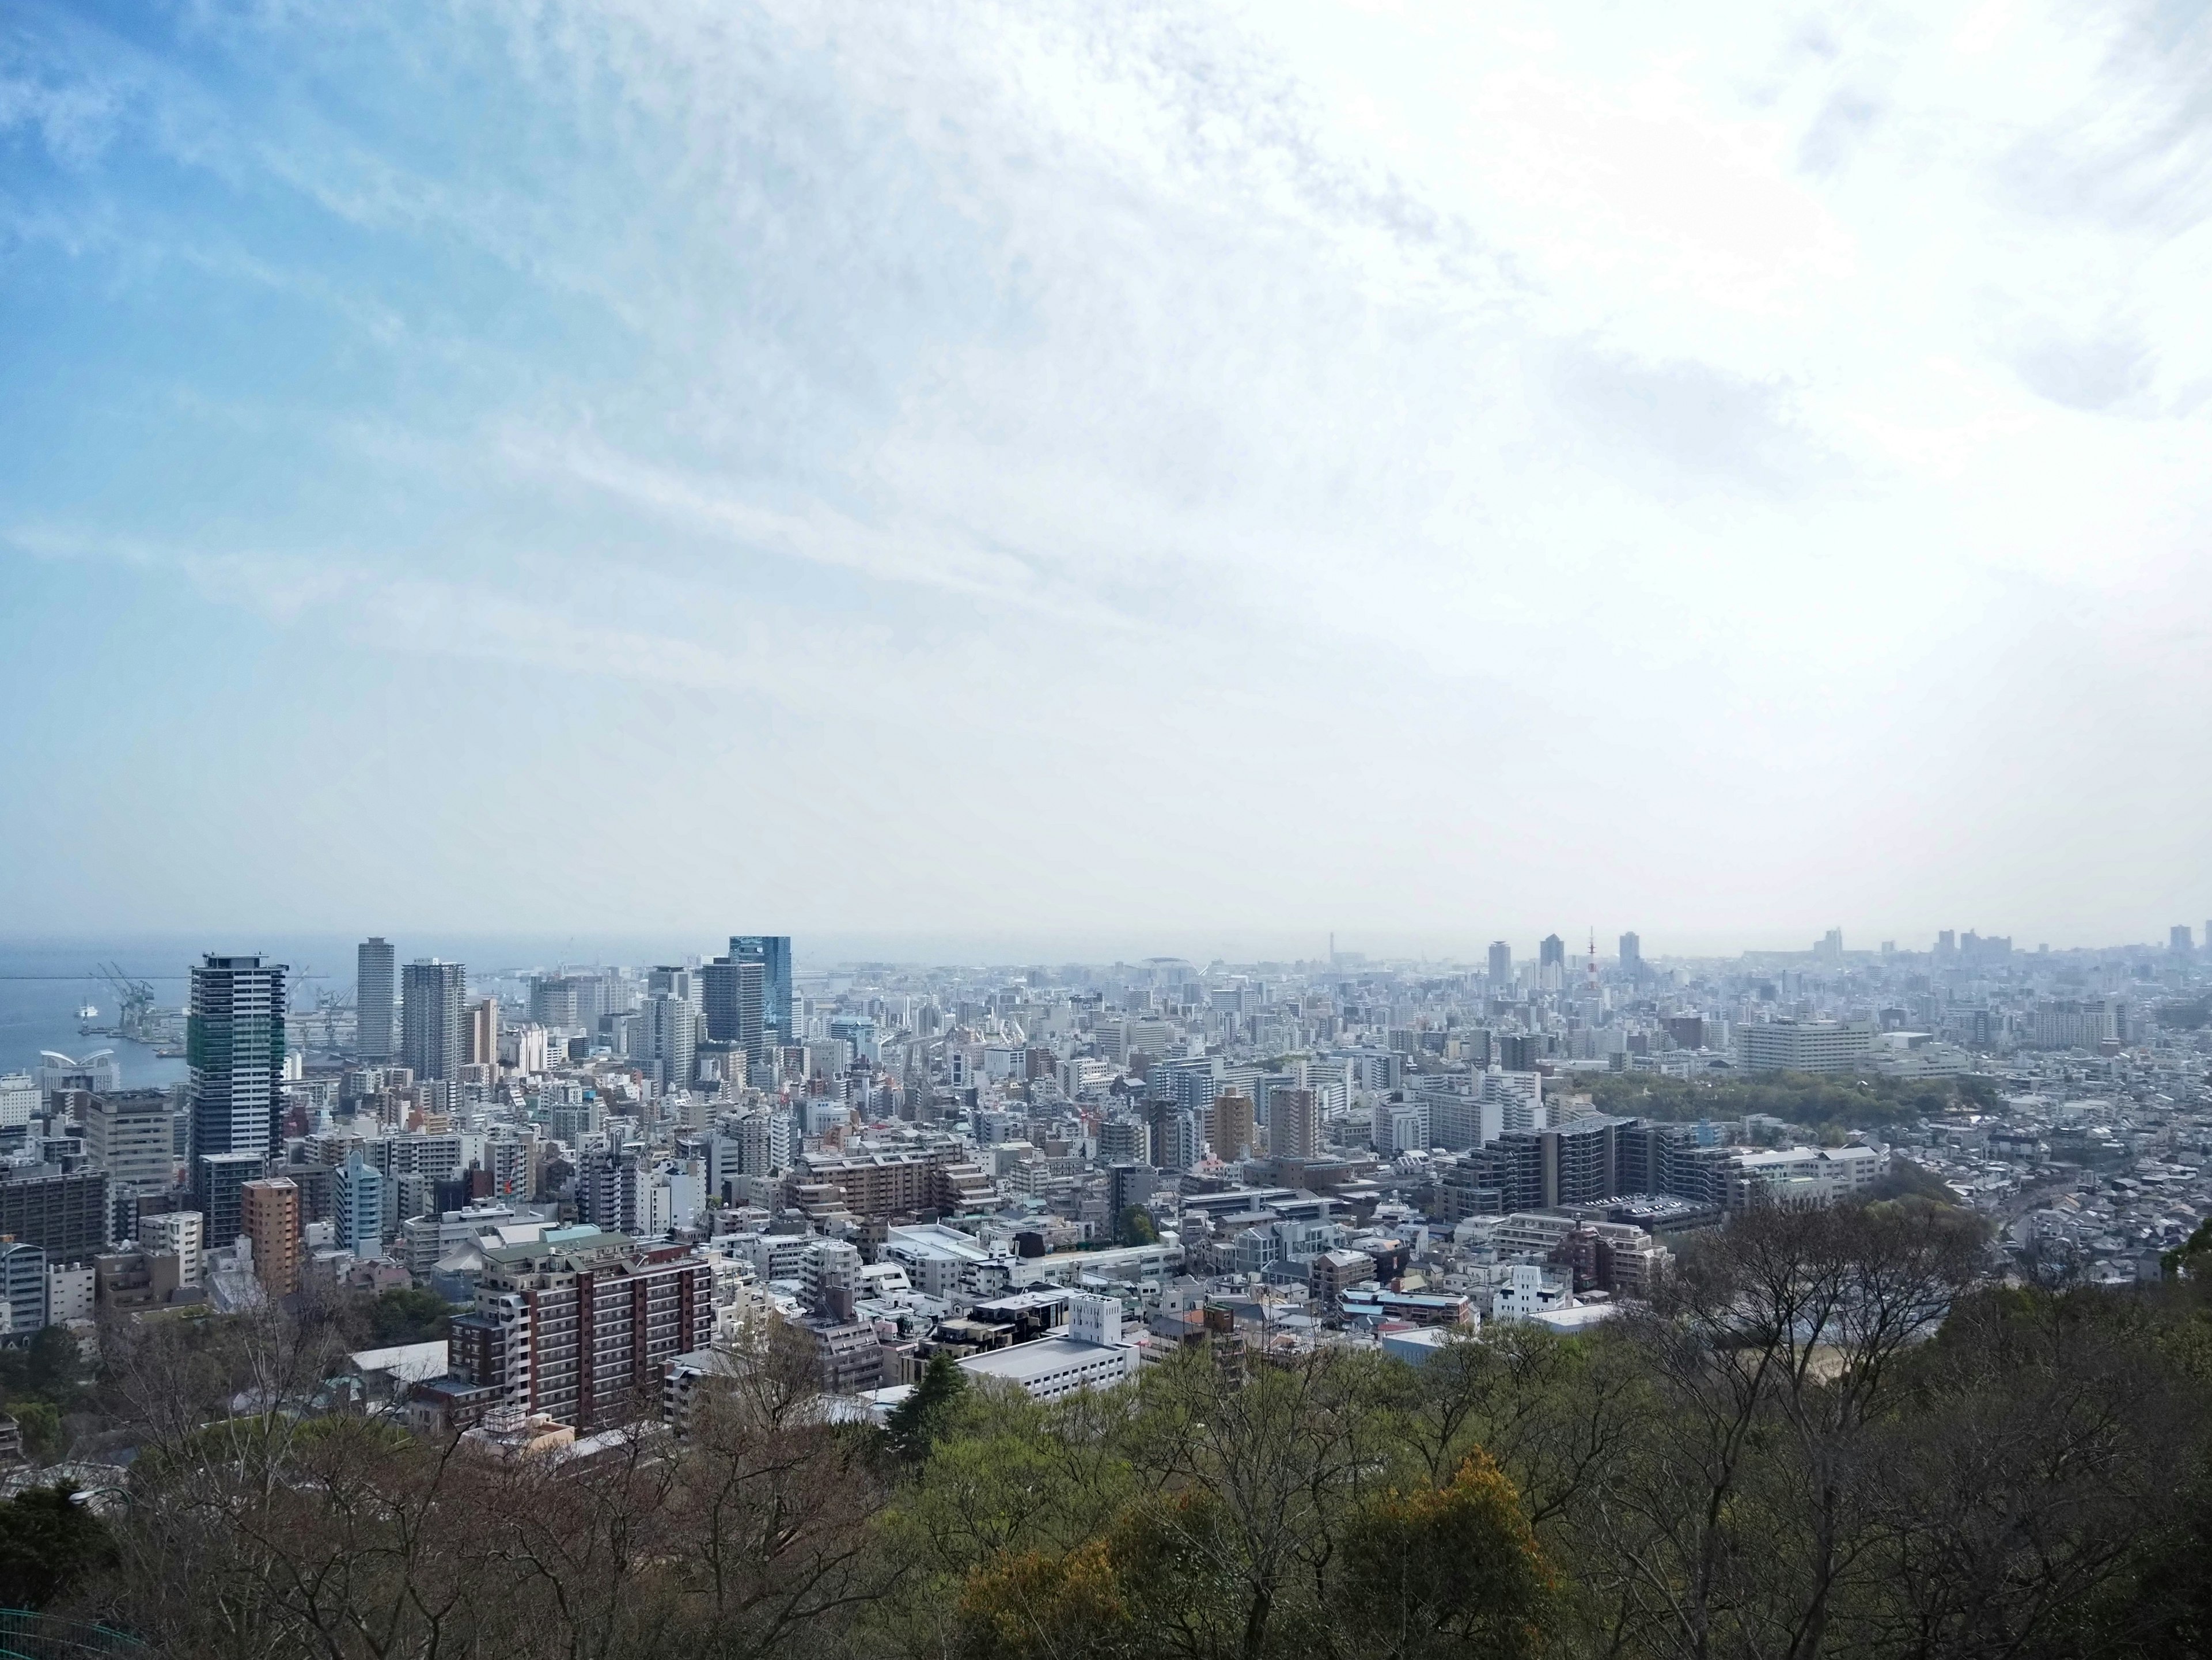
x: 1137, y: 1227
x: 407, y: 1315
x: 916, y: 1422
x: 1444, y: 1570
x: 40, y: 1425
x: 49, y: 1543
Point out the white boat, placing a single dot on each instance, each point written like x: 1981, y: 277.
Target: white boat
x: 87, y: 1012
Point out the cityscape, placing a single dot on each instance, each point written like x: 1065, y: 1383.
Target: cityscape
x: 1024, y: 830
x: 594, y: 1205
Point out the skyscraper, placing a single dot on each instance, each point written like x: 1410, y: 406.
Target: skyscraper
x: 433, y: 1026
x: 1552, y: 963
x: 234, y: 1046
x: 372, y: 999
x: 1631, y: 957
x: 1501, y: 965
x: 773, y: 952
x: 668, y: 1038
x: 733, y: 995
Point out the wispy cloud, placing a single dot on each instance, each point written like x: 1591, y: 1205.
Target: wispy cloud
x: 1363, y: 441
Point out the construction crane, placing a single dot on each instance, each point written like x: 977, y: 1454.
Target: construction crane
x: 134, y: 1004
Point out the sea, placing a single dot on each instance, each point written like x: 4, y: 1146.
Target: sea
x: 44, y: 982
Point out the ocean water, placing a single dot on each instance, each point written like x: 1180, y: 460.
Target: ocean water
x: 44, y: 981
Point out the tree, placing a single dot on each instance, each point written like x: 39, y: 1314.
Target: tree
x: 1444, y: 1570
x: 50, y: 1541
x: 1774, y: 1353
x: 916, y: 1422
x: 408, y: 1314
x: 1137, y: 1228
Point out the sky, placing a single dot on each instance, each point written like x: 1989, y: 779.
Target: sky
x: 1107, y: 471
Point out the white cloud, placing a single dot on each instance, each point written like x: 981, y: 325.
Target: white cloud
x: 1425, y: 465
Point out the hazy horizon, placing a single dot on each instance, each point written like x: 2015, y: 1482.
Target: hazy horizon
x: 1037, y: 471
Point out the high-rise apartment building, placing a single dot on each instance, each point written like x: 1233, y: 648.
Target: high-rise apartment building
x: 2178, y: 940
x: 1577, y: 1163
x: 773, y: 952
x: 1233, y: 1134
x: 357, y: 1196
x: 372, y: 999
x: 235, y: 1045
x: 581, y: 1324
x: 1805, y: 1045
x: 432, y: 1028
x: 668, y: 1038
x: 1294, y: 1124
x: 483, y: 1032
x: 22, y: 1286
x: 1501, y: 965
x: 272, y: 1208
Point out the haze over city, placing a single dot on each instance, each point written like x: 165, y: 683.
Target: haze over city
x: 1028, y: 830
x: 1075, y: 477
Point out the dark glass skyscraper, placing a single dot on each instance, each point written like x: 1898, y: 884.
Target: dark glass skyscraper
x: 773, y: 952
x: 234, y: 1044
x: 733, y: 993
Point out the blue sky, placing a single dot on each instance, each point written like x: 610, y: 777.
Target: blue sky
x: 1032, y: 468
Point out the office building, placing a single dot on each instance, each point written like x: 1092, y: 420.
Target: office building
x: 732, y: 996
x: 553, y: 1002
x: 222, y: 1199
x: 433, y: 1027
x: 373, y: 967
x: 1501, y: 965
x: 1552, y: 963
x: 357, y: 1192
x: 1125, y: 1141
x: 234, y: 1044
x: 581, y: 1324
x: 2178, y: 941
x: 272, y: 1208
x: 1631, y: 957
x: 179, y: 1233
x: 130, y: 1134
x: 773, y: 952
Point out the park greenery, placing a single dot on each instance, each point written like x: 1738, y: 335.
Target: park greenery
x: 1817, y: 1101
